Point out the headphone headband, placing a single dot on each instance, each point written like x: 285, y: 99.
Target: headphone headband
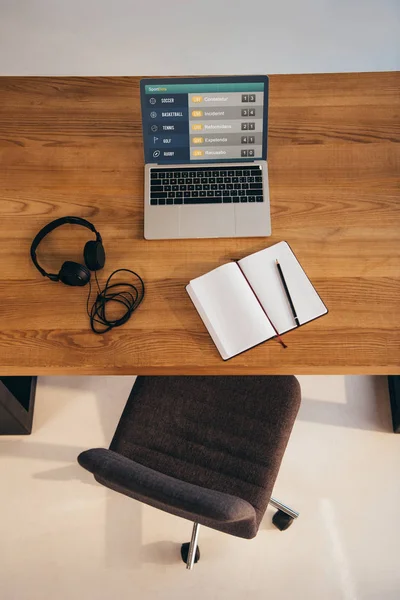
x: 48, y: 229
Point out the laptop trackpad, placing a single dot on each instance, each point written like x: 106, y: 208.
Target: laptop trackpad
x: 212, y: 220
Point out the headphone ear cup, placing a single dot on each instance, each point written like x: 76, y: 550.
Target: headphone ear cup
x: 72, y: 273
x: 94, y: 255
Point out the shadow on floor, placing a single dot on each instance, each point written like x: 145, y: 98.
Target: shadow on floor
x: 110, y: 396
x: 358, y: 412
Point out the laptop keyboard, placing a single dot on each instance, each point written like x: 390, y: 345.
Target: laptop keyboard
x: 206, y: 185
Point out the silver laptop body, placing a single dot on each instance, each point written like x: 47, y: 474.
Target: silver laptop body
x: 224, y: 219
x: 206, y: 220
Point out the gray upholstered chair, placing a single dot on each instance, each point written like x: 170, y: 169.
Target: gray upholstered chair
x: 207, y: 449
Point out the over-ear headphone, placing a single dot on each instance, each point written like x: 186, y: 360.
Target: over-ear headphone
x: 73, y: 273
x: 127, y: 296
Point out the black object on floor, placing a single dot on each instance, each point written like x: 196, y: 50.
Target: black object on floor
x: 394, y: 393
x: 185, y: 553
x: 17, y: 400
x: 281, y: 520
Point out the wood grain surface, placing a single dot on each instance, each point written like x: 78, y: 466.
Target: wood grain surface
x: 73, y: 146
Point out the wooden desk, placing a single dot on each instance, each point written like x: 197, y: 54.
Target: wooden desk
x: 73, y: 146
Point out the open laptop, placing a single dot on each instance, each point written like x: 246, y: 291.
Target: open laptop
x: 205, y: 144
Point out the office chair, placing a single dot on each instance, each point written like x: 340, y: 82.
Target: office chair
x: 207, y: 449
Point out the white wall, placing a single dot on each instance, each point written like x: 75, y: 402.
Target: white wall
x: 164, y: 37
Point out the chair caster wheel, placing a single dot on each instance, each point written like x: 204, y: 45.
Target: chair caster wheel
x: 185, y: 553
x: 281, y: 520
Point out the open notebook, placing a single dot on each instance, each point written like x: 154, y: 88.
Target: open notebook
x: 230, y: 306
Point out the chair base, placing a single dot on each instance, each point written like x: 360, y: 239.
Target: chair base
x: 283, y: 508
x: 185, y: 553
x: 282, y: 520
x: 192, y: 555
x: 284, y: 516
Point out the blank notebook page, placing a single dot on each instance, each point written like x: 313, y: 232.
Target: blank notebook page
x: 229, y: 309
x: 261, y: 271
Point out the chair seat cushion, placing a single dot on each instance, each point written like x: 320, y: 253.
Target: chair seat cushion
x: 208, y: 507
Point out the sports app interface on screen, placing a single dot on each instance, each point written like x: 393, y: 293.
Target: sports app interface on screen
x: 204, y: 122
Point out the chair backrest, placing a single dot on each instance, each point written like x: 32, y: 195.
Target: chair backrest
x: 224, y: 433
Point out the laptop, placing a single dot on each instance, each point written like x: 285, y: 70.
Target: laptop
x: 205, y: 145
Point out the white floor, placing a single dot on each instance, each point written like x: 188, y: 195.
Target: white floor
x: 64, y: 537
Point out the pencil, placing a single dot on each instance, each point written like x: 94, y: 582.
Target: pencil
x: 292, y: 308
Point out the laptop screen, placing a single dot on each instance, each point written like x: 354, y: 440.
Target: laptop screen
x: 211, y: 119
